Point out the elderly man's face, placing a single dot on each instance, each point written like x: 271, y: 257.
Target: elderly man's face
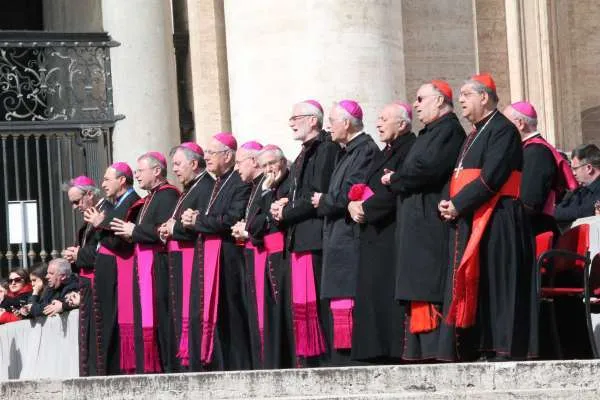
x: 183, y: 169
x: 471, y: 102
x: 427, y: 104
x: 300, y: 123
x: 146, y: 175
x: 53, y: 277
x: 389, y: 124
x: 246, y: 165
x: 218, y: 157
x: 338, y: 125
x: 271, y: 163
x: 80, y: 200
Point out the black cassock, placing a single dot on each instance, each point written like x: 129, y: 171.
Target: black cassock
x: 507, y: 308
x: 195, y: 196
x: 105, y: 289
x: 539, y: 175
x: 87, y: 240
x: 341, y: 235
x: 310, y: 173
x: 421, y: 235
x: 277, y: 348
x: 232, y: 337
x: 157, y: 208
x: 378, y: 326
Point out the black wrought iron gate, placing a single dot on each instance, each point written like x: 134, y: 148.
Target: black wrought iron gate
x: 56, y: 120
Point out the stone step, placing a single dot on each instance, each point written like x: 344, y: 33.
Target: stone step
x: 544, y: 379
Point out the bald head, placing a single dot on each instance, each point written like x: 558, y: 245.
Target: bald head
x: 524, y: 123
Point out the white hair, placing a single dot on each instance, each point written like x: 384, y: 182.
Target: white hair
x: 153, y: 163
x: 309, y: 109
x: 402, y: 114
x: 63, y: 267
x: 481, y: 88
x: 189, y: 155
x: 355, y: 123
x: 278, y: 153
x: 531, y: 123
x: 83, y: 188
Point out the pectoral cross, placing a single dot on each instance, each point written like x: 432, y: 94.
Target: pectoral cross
x: 458, y: 170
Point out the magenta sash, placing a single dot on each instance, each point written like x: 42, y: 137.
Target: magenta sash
x: 212, y: 267
x: 341, y: 311
x: 144, y: 255
x: 307, y: 329
x: 187, y: 258
x: 125, y: 309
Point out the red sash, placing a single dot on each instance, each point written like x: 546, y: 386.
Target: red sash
x: 463, y: 308
x: 125, y: 308
x: 565, y: 180
x: 187, y: 258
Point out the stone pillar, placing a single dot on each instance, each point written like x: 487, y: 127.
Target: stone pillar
x: 282, y: 52
x: 208, y: 67
x: 143, y: 77
x: 540, y: 67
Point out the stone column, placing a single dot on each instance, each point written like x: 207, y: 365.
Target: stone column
x: 540, y: 67
x: 143, y: 77
x: 208, y: 67
x: 283, y: 52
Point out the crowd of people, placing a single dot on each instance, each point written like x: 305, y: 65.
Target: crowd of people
x: 421, y: 251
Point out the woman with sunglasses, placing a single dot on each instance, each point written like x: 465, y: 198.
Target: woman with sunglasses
x: 19, y: 291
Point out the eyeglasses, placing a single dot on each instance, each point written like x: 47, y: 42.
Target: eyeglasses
x: 241, y: 160
x: 467, y: 94
x: 296, y: 117
x: 579, y: 166
x: 270, y: 163
x: 15, y: 280
x: 76, y: 202
x: 137, y: 171
x: 421, y: 98
x: 210, y: 153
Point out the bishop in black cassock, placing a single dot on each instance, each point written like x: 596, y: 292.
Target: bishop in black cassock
x: 377, y: 335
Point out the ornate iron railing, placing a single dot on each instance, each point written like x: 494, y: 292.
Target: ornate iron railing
x: 56, y: 120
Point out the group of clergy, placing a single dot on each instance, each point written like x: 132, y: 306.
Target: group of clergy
x: 423, y: 250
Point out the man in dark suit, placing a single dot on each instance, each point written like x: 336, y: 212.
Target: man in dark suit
x: 377, y: 335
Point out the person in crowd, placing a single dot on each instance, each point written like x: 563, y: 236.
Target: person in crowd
x: 585, y: 163
x: 219, y: 324
x: 61, y: 282
x: 310, y: 173
x: 546, y: 174
x: 189, y: 167
x: 340, y: 233
x: 151, y: 295
x: 246, y: 164
x: 83, y: 195
x: 377, y: 335
x: 3, y: 289
x: 421, y: 236
x: 37, y: 277
x: 17, y: 295
x: 267, y: 238
x: 113, y: 283
x: 491, y: 291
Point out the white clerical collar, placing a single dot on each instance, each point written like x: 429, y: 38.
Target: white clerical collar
x: 532, y: 134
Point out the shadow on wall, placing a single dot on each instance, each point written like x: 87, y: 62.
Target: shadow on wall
x: 590, y: 125
x: 16, y: 363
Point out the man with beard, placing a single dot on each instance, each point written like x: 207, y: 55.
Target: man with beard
x: 310, y: 173
x: 341, y: 233
x: 189, y: 168
x: 491, y: 294
x: 83, y: 194
x: 114, y: 258
x: 377, y: 335
x: 150, y: 288
x: 219, y: 323
x: 246, y: 163
x: 421, y: 236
